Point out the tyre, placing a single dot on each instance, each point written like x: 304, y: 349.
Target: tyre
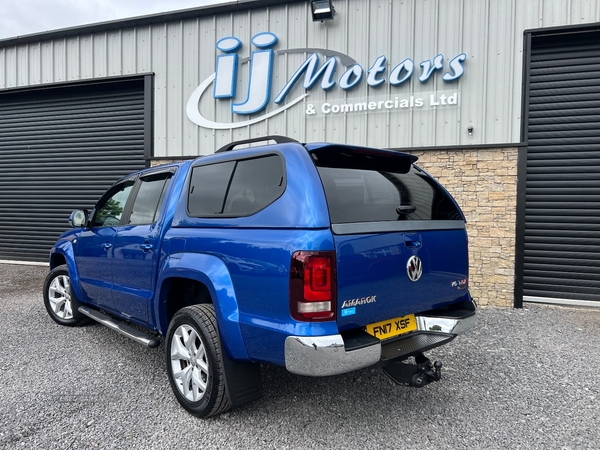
x: 194, y: 361
x: 59, y: 299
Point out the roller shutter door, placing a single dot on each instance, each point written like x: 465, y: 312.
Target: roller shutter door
x: 59, y: 150
x: 562, y: 208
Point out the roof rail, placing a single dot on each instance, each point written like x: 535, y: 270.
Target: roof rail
x: 276, y: 138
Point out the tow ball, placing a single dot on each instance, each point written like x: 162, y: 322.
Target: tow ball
x: 419, y: 374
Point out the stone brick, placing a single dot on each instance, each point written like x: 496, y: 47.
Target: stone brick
x: 484, y: 185
x: 497, y: 232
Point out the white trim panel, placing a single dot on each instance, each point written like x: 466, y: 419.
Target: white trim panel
x: 561, y: 301
x: 24, y: 263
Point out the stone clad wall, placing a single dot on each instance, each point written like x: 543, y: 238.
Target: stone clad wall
x: 158, y: 162
x: 484, y: 183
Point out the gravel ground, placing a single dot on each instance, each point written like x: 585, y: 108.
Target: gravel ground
x: 523, y: 379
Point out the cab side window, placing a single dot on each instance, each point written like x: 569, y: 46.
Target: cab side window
x: 109, y: 210
x: 149, y: 199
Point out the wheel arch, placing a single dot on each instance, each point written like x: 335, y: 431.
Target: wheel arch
x: 62, y: 253
x: 194, y: 278
x: 57, y: 259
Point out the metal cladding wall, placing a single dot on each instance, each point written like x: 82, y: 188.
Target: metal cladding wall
x: 561, y: 221
x: 180, y: 49
x: 59, y: 150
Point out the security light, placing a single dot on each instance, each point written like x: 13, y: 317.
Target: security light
x: 322, y: 10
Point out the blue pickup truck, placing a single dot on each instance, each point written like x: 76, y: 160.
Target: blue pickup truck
x: 322, y: 258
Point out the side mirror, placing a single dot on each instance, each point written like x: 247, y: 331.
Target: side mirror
x: 78, y: 218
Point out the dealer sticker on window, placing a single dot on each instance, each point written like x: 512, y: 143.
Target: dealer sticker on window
x: 392, y: 327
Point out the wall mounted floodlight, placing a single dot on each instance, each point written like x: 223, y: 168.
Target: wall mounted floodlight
x: 321, y: 10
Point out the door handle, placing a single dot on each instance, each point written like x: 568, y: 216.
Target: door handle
x: 106, y: 245
x: 146, y: 247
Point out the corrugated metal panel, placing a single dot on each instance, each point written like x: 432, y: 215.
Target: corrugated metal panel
x: 499, y: 80
x: 175, y: 105
x: 447, y: 126
x: 59, y: 150
x: 182, y: 54
x: 402, y: 43
x: 47, y: 64
x: 59, y: 59
x: 562, y: 219
x: 34, y: 72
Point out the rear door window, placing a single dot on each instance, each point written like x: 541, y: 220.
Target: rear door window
x: 150, y: 196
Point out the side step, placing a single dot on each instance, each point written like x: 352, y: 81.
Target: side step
x: 120, y: 327
x: 413, y: 344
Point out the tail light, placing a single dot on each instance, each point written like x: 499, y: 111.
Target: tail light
x: 312, y: 286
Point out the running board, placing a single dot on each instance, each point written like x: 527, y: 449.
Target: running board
x: 120, y: 327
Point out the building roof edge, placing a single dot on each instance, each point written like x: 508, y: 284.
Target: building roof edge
x: 150, y: 19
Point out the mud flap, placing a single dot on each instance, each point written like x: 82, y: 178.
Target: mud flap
x: 243, y: 382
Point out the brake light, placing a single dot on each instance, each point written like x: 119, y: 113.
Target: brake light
x: 312, y: 286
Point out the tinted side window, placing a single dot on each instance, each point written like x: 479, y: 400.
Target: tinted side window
x: 149, y: 199
x: 236, y: 188
x: 256, y: 183
x: 208, y: 188
x: 357, y: 195
x: 110, y: 209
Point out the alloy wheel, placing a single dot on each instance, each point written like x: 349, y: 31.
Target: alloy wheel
x: 59, y: 295
x: 189, y: 363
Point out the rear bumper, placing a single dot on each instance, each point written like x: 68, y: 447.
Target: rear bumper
x: 336, y: 354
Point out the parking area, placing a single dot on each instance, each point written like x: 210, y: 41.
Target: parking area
x: 525, y: 378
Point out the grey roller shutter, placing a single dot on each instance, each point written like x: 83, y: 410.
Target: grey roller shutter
x: 562, y: 209
x: 59, y: 150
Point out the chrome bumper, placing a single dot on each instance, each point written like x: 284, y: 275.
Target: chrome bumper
x: 327, y: 355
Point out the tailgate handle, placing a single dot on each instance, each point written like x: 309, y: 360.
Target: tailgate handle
x: 412, y: 244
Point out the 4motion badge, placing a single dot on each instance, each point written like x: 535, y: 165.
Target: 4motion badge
x: 414, y: 268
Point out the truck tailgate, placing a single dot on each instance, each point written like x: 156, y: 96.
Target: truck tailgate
x: 374, y: 274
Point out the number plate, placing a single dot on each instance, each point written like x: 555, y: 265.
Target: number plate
x: 393, y: 327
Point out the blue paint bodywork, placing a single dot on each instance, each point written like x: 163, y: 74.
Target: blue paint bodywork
x: 244, y: 262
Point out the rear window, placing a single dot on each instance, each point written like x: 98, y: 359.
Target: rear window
x: 370, y: 195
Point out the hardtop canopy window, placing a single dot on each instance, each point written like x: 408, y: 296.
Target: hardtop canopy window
x: 365, y: 187
x: 236, y: 188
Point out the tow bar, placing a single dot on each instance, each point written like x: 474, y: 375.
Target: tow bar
x: 415, y: 375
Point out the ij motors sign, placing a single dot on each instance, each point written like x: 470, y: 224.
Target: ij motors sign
x: 338, y: 71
